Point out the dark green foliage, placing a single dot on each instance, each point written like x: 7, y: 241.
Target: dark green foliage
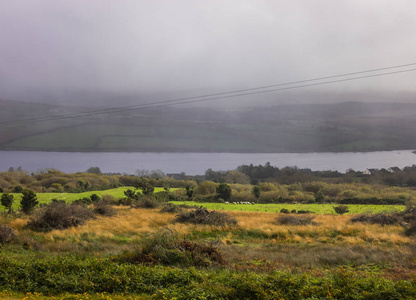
x: 17, y: 189
x: 94, y: 170
x: 58, y: 215
x: 295, y: 220
x: 189, y: 192
x: 257, y: 192
x: 144, y: 185
x: 319, y: 197
x: 69, y: 274
x: 83, y: 201
x: 341, y: 209
x: 7, y: 201
x: 130, y: 194
x: 95, y: 198
x: 302, y: 212
x: 29, y: 201
x: 7, y: 234
x: 203, y: 216
x: 224, y: 191
x: 284, y: 211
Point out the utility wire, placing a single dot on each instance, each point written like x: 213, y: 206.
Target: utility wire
x: 222, y: 95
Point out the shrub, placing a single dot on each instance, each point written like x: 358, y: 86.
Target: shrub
x: 341, y: 209
x: 7, y: 234
x: 301, y: 212
x: 147, y: 202
x: 284, y: 211
x: 203, y: 216
x: 95, y: 198
x: 110, y: 199
x: 103, y: 208
x: 58, y: 215
x: 164, y: 247
x: 295, y: 220
x: 382, y: 219
x: 171, y: 208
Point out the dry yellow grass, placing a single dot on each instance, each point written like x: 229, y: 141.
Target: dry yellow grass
x: 128, y: 225
x: 331, y: 226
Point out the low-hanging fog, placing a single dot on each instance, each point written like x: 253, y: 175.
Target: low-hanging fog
x: 115, y: 53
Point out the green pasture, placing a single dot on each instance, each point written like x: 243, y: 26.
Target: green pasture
x: 321, y: 209
x: 70, y: 197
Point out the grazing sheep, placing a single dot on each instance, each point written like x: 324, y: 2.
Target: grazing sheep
x: 226, y: 202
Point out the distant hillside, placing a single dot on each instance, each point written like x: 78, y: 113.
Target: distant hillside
x: 349, y: 126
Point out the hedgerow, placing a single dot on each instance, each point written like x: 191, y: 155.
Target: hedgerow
x: 70, y: 274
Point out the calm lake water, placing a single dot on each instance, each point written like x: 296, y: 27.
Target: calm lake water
x: 198, y: 163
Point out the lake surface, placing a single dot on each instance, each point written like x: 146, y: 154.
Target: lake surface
x: 198, y: 163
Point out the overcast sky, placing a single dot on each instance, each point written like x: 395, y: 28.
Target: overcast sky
x: 141, y: 47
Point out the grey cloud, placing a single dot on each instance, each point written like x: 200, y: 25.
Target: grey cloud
x: 136, y: 47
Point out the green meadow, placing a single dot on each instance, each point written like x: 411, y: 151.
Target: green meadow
x: 321, y: 209
x: 45, y: 198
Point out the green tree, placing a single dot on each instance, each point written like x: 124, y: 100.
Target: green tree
x: 224, y: 191
x: 29, y: 201
x: 95, y: 198
x: 7, y: 201
x: 319, y: 197
x: 145, y: 186
x: 189, y: 192
x: 237, y: 177
x: 17, y: 189
x: 94, y: 170
x: 257, y: 192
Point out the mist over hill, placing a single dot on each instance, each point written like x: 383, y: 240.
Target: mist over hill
x: 345, y: 126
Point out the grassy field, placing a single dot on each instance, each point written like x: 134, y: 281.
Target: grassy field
x: 315, y: 208
x: 70, y: 197
x: 331, y: 259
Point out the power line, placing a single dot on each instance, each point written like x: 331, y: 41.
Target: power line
x: 222, y: 95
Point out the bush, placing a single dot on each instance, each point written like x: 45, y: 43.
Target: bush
x: 284, y: 211
x: 58, y: 215
x: 7, y: 234
x: 147, y: 202
x: 341, y: 209
x: 203, y: 216
x: 104, y: 208
x: 295, y: 220
x: 382, y: 219
x: 171, y: 208
x: 164, y: 247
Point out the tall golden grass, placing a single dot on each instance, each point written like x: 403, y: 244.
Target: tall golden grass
x: 129, y: 225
